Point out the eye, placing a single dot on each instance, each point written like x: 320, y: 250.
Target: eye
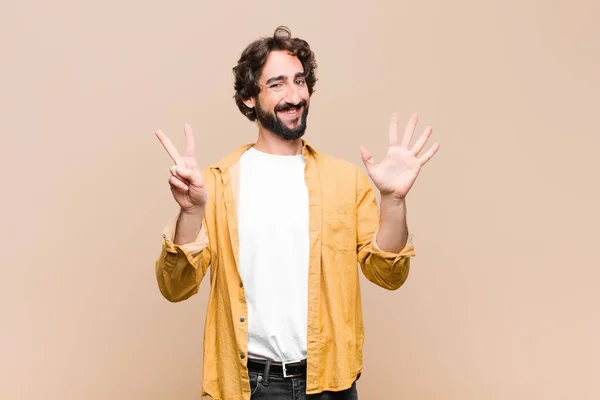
x: 275, y: 85
x: 300, y: 82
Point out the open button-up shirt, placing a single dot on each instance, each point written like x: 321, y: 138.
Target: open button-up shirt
x: 343, y: 224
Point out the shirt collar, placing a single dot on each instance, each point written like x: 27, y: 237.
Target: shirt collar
x: 232, y: 158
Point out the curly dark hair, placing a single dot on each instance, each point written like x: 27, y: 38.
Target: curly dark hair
x: 249, y: 67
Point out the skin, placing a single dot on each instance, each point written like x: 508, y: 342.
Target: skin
x: 187, y: 187
x: 394, y: 176
x: 281, y: 82
x: 290, y: 89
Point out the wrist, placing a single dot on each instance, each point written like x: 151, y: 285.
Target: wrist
x: 196, y: 211
x: 392, y: 200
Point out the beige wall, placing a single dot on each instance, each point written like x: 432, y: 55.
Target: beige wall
x: 501, y: 302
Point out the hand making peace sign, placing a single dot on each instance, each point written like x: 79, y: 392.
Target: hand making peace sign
x: 397, y: 172
x: 187, y: 184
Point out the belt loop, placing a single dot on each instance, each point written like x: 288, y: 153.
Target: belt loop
x: 267, y: 372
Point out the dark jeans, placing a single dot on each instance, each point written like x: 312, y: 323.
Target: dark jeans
x: 279, y: 388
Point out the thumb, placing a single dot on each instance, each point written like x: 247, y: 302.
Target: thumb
x: 193, y: 176
x: 367, y: 157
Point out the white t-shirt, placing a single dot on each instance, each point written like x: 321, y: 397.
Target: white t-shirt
x: 273, y: 211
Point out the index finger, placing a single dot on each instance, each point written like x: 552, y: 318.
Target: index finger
x: 170, y: 148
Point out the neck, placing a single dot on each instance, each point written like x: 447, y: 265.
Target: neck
x: 268, y: 142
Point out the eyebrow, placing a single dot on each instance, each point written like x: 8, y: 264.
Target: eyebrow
x: 283, y: 78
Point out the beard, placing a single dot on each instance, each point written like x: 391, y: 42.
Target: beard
x: 272, y: 122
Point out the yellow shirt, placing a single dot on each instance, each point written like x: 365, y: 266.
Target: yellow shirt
x: 342, y: 228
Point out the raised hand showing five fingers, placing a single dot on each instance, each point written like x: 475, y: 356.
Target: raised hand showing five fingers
x: 187, y: 184
x: 396, y: 173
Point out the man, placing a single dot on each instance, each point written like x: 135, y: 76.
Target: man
x: 283, y: 229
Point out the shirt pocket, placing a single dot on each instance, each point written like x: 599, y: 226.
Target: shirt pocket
x: 339, y: 227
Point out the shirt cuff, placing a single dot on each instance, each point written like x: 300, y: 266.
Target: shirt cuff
x: 407, y: 251
x: 193, y: 247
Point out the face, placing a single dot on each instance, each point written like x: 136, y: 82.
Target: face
x: 283, y: 102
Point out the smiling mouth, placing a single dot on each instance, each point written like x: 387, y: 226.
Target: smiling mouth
x: 292, y: 111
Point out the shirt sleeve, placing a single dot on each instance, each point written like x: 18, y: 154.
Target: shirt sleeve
x: 386, y: 269
x: 181, y: 268
x: 192, y: 248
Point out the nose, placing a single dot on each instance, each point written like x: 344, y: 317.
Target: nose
x: 293, y: 95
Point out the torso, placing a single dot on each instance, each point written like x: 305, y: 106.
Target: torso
x: 274, y: 253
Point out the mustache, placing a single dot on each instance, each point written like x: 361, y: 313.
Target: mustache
x: 286, y: 106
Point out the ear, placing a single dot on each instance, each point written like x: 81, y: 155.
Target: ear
x: 250, y: 103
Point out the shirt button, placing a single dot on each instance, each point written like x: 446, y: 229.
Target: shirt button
x: 242, y: 319
x: 241, y: 284
x: 242, y: 356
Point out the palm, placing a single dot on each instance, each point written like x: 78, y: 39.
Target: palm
x: 186, y: 180
x: 397, y: 172
x: 195, y: 193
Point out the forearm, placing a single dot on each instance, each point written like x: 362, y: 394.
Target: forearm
x: 188, y: 227
x: 392, y: 234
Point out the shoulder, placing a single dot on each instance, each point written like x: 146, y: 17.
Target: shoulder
x: 341, y: 181
x: 230, y: 159
x: 226, y: 163
x: 329, y: 161
x: 340, y: 169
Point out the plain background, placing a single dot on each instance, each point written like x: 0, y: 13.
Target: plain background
x: 502, y: 299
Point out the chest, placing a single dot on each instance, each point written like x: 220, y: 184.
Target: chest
x: 272, y: 201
